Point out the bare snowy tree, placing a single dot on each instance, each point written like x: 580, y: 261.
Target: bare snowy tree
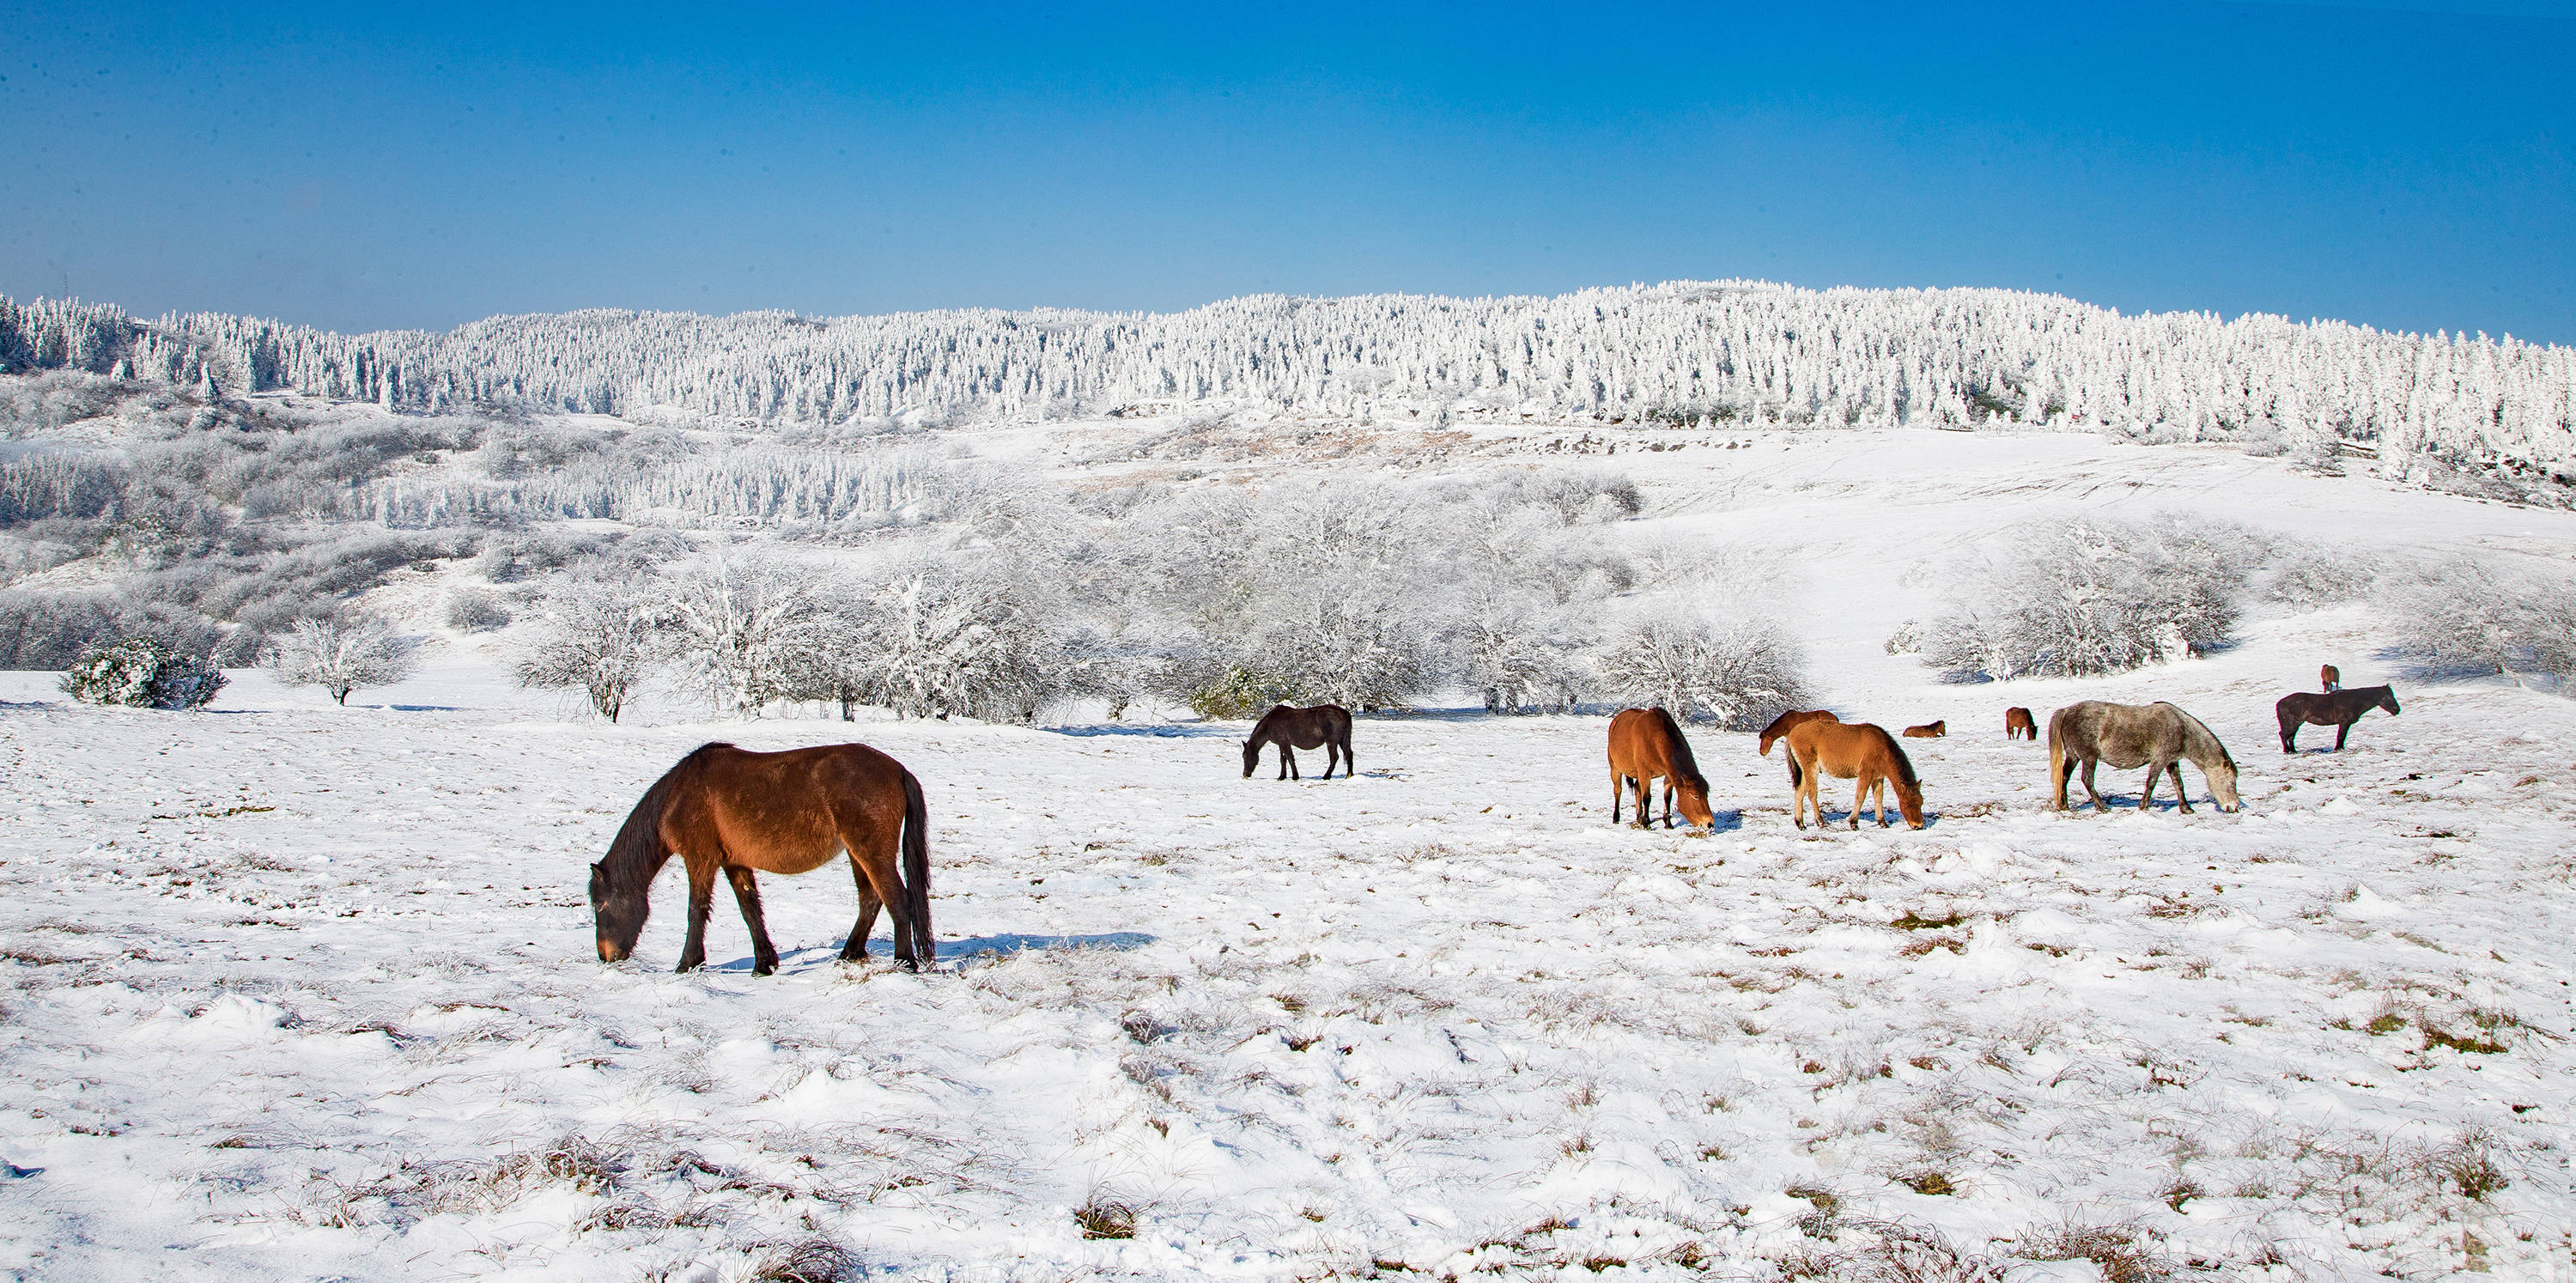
x: 2090, y: 596
x: 1740, y: 672
x: 342, y: 654
x: 740, y: 627
x: 597, y: 636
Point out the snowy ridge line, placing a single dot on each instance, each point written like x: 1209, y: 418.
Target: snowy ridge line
x: 1683, y: 351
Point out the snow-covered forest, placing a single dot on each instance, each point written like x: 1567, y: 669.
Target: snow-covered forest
x: 1734, y: 352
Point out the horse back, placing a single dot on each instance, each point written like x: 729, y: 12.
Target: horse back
x: 790, y: 811
x: 1647, y: 742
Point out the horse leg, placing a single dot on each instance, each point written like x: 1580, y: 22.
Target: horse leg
x: 2290, y: 733
x: 746, y: 893
x: 2341, y: 731
x: 881, y: 876
x: 2182, y: 796
x: 2096, y: 794
x: 1332, y: 755
x: 1618, y: 794
x: 1860, y: 791
x: 1288, y: 763
x: 702, y: 893
x: 1645, y: 813
x: 857, y: 948
x: 1668, y: 801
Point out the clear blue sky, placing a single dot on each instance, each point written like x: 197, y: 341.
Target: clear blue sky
x: 362, y: 166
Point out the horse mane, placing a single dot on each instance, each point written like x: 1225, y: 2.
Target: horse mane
x: 2199, y: 739
x: 636, y: 852
x: 1684, y: 764
x: 1904, y: 765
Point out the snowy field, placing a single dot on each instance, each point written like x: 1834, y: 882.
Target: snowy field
x: 292, y: 991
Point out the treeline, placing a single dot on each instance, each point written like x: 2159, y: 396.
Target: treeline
x: 1686, y: 352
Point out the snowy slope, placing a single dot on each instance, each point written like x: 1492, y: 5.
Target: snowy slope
x: 296, y: 991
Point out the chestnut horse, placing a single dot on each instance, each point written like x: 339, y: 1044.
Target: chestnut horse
x: 1646, y: 743
x: 2018, y: 721
x: 2336, y: 708
x: 1785, y: 723
x: 2156, y: 736
x: 1858, y: 751
x: 1324, y: 726
x: 732, y: 810
x: 1933, y: 731
x: 2330, y: 677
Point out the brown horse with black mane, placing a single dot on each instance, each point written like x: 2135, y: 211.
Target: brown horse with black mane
x: 2336, y: 708
x: 1859, y: 751
x: 730, y: 809
x: 2018, y: 721
x: 1646, y: 743
x: 1783, y: 724
x: 1324, y: 726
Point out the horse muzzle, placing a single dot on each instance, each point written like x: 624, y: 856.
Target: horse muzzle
x: 611, y: 953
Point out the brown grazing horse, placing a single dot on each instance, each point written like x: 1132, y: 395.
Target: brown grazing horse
x: 729, y: 809
x: 2156, y: 736
x: 2330, y: 677
x: 1933, y: 731
x: 2336, y: 708
x: 1860, y: 752
x: 1783, y: 724
x: 1324, y: 726
x: 1646, y: 743
x: 2018, y: 721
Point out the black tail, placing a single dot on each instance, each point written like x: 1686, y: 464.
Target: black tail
x: 916, y: 871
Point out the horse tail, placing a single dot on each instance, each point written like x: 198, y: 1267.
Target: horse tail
x: 916, y: 870
x: 2057, y: 763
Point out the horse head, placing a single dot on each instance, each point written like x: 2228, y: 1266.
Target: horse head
x: 2388, y: 699
x: 1251, y: 755
x: 1909, y: 801
x: 617, y: 913
x: 2221, y: 774
x: 1694, y: 795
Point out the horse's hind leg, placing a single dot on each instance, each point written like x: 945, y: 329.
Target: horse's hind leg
x: 857, y: 948
x: 746, y: 893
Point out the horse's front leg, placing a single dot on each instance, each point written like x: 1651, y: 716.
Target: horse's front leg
x: 1668, y: 801
x: 1645, y: 810
x: 702, y: 894
x: 1860, y: 794
x: 2340, y: 732
x: 2147, y: 795
x: 1618, y: 794
x: 1287, y: 762
x: 2182, y: 796
x: 746, y: 893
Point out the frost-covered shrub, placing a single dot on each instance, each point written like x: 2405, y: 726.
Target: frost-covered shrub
x: 740, y: 628
x: 2461, y: 617
x: 2305, y: 576
x: 2090, y: 596
x: 472, y: 610
x: 341, y: 655
x: 601, y: 638
x: 955, y: 640
x: 1739, y: 672
x: 48, y: 631
x: 142, y: 672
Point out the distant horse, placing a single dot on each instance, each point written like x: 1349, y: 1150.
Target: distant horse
x: 730, y: 809
x: 2330, y: 677
x: 2156, y: 736
x: 1324, y: 726
x: 1785, y: 723
x: 1646, y: 743
x: 1860, y: 752
x: 2017, y: 721
x: 2336, y: 708
x: 1932, y: 732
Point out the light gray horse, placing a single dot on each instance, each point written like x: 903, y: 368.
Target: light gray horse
x: 2129, y: 736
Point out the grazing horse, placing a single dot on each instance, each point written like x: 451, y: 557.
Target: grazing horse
x: 2330, y: 677
x: 1324, y: 726
x: 1783, y: 724
x: 2336, y: 708
x: 2156, y: 736
x: 1646, y: 743
x: 732, y: 810
x: 2018, y: 721
x: 1859, y: 751
x: 1933, y: 731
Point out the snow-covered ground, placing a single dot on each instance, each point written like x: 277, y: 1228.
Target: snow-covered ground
x: 293, y: 991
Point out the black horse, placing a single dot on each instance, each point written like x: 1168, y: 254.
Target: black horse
x: 1325, y: 726
x: 2338, y: 709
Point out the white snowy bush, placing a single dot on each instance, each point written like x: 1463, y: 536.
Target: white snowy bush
x: 2090, y: 595
x: 2460, y: 617
x: 741, y: 628
x: 1736, y: 671
x: 602, y: 638
x: 342, y: 654
x: 955, y: 640
x: 142, y: 672
x: 473, y: 610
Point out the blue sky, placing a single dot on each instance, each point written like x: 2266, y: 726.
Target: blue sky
x: 2408, y: 166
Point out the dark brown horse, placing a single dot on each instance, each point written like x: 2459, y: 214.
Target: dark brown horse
x: 2018, y: 721
x: 2330, y: 677
x: 1646, y: 743
x: 1856, y: 752
x: 1324, y: 726
x: 1932, y: 731
x: 2336, y: 708
x: 731, y: 810
x: 1783, y: 724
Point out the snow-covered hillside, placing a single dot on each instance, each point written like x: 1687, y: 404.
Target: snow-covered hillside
x: 294, y: 991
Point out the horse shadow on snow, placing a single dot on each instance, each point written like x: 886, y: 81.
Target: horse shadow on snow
x: 963, y: 953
